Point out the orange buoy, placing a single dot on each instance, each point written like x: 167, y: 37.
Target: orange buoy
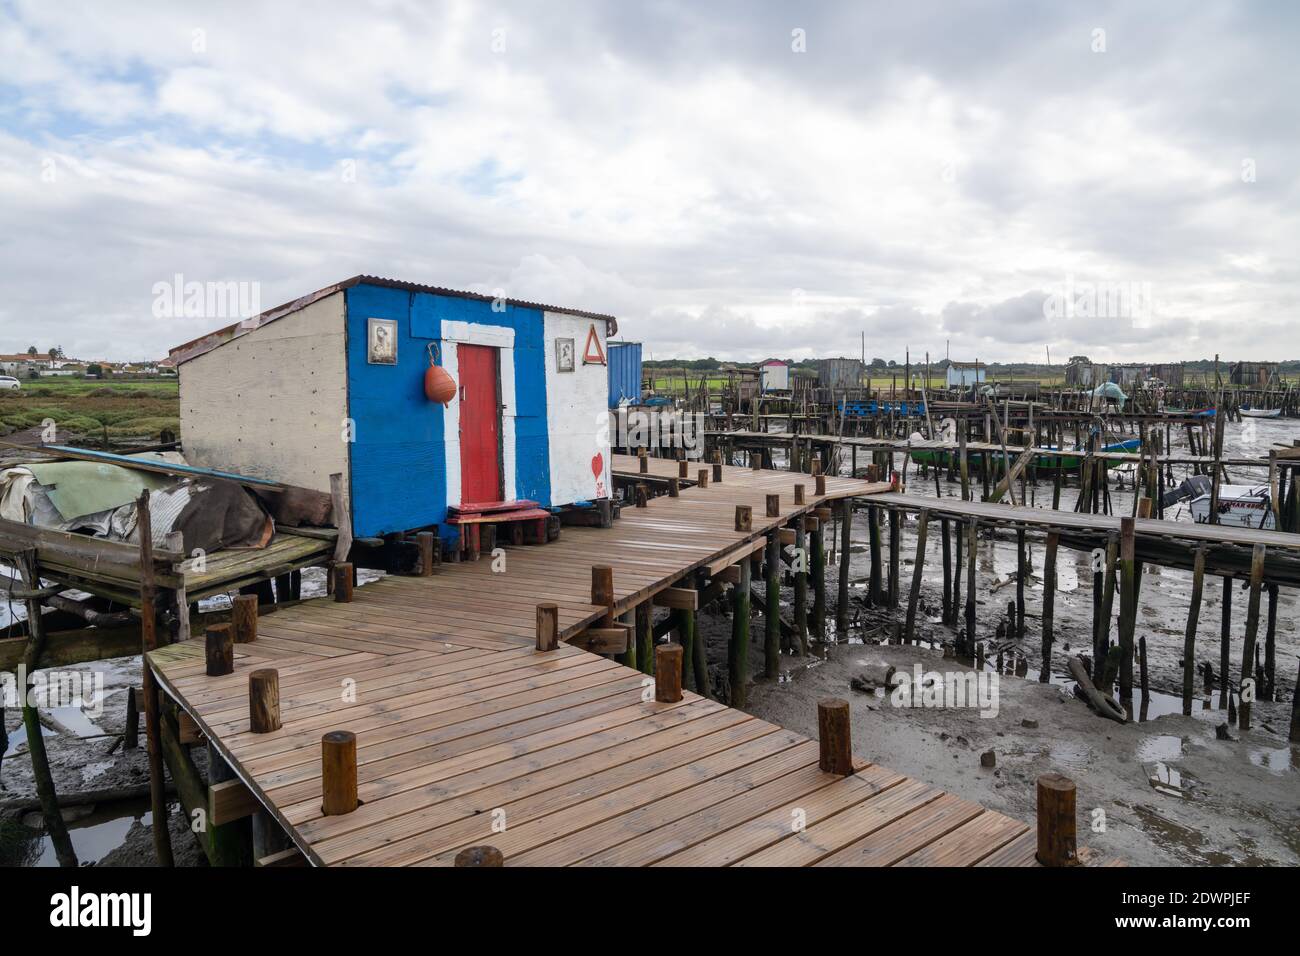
x: 438, y: 385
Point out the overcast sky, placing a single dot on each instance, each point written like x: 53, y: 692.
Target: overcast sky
x: 734, y: 180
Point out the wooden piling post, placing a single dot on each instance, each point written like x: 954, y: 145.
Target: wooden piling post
x: 1269, y: 690
x: 674, y: 488
x: 834, y: 736
x: 873, y: 548
x: 1049, y: 602
x: 668, y: 673
x: 1294, y: 736
x: 774, y: 506
x: 162, y: 842
x: 219, y: 647
x: 1022, y: 572
x: 914, y: 593
x: 817, y: 558
x: 1104, y: 609
x: 1189, y: 635
x: 1225, y: 636
x: 427, y: 542
x: 972, y: 537
x: 801, y: 584
x: 948, y: 615
x: 602, y: 591
x: 738, y: 650
x: 1248, y: 688
x: 548, y: 627
x: 842, y: 593
x: 488, y: 856
x: 243, y: 618
x: 819, y: 485
x: 338, y: 764
x: 799, y: 494
x: 744, y: 519
x: 264, y: 700
x: 895, y: 535
x: 702, y: 478
x: 341, y: 575
x: 645, y: 639
x: 641, y: 495
x: 1056, y: 821
x: 683, y: 467
x: 772, y: 614
x: 1127, y: 611
x: 717, y: 472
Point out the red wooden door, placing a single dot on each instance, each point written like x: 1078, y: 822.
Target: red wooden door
x: 480, y: 424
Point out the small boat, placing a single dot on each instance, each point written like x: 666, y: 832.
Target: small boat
x: 1260, y: 412
x: 1240, y: 506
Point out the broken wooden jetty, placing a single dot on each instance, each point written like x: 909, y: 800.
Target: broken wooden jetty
x: 455, y: 718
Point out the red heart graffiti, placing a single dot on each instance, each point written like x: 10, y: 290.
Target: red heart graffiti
x: 598, y: 465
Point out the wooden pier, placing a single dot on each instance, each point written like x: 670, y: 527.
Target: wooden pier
x: 467, y: 735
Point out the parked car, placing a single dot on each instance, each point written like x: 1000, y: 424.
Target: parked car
x: 9, y: 382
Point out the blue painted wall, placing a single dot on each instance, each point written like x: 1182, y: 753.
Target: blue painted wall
x: 398, y: 466
x: 624, y: 372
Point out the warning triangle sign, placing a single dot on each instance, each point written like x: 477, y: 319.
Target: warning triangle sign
x: 592, y: 353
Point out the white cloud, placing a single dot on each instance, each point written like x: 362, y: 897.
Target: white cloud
x: 919, y: 174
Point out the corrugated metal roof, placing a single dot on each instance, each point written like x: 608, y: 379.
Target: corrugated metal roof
x: 206, y: 343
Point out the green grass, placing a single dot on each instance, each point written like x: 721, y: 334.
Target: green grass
x: 84, y: 408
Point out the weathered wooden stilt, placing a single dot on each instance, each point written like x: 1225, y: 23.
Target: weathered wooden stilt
x: 834, y: 736
x: 738, y: 651
x: 1225, y: 636
x: 338, y: 773
x: 264, y: 700
x: 341, y: 575
x: 744, y: 519
x: 243, y: 618
x: 1049, y: 602
x: 219, y: 647
x: 801, y: 584
x: 894, y: 556
x: 548, y: 627
x: 817, y: 559
x: 947, y: 570
x: 914, y: 594
x: 873, y: 547
x: 668, y: 673
x: 972, y: 533
x: 488, y: 856
x: 645, y: 641
x: 1189, y: 635
x: 772, y: 614
x: 1056, y: 821
x: 1248, y: 684
x: 1127, y: 612
x: 842, y: 592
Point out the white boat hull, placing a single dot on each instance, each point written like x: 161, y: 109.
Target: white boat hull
x: 1261, y: 412
x: 1240, y: 506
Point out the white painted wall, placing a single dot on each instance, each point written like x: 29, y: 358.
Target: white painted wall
x: 776, y: 377
x: 577, y: 413
x: 272, y: 402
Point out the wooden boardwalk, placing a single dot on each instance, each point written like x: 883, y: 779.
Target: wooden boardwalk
x: 466, y: 735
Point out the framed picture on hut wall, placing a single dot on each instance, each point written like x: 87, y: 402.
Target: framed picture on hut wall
x: 564, y: 352
x: 381, y: 342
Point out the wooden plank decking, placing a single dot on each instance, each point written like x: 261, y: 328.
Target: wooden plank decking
x: 466, y: 735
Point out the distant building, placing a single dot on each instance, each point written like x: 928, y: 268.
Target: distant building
x: 1081, y: 372
x: 1252, y: 374
x: 1171, y: 373
x: 776, y: 376
x: 21, y: 364
x: 964, y: 374
x: 839, y: 373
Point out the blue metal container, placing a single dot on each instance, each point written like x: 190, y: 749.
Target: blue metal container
x: 624, y: 373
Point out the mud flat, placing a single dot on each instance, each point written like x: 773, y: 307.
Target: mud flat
x: 1164, y: 791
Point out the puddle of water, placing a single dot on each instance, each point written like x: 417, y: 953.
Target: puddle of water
x: 93, y: 836
x: 1278, y: 760
x: 18, y: 738
x: 1165, y: 779
x: 1159, y: 748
